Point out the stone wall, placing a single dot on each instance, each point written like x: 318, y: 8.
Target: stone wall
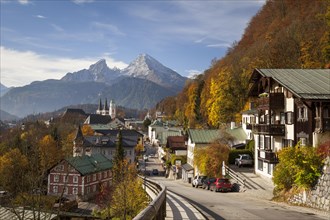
x: 319, y: 197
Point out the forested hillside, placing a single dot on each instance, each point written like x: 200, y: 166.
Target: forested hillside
x: 283, y: 34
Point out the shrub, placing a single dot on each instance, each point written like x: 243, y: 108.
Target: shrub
x: 298, y: 166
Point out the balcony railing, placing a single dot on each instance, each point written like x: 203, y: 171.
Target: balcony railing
x: 273, y: 101
x: 268, y: 156
x: 270, y: 129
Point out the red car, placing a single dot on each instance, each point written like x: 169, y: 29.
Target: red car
x: 221, y: 184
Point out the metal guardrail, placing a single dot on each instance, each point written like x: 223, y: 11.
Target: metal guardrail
x: 156, y: 210
x: 239, y: 178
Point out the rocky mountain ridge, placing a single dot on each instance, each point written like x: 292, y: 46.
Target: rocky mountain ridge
x: 139, y: 86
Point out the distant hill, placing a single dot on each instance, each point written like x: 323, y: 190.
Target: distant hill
x: 3, y: 89
x: 144, y: 83
x: 5, y: 116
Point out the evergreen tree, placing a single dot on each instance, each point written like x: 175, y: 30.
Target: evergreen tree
x: 119, y: 159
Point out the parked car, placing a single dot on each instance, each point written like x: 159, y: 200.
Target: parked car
x: 145, y: 157
x: 207, y: 182
x: 221, y: 185
x: 198, y: 181
x: 244, y: 160
x: 155, y: 172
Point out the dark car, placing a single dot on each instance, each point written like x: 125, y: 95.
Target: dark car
x: 155, y: 172
x: 207, y: 182
x: 198, y: 181
x: 221, y: 185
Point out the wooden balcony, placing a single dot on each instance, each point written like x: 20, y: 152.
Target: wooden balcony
x: 268, y: 156
x: 273, y: 101
x: 269, y: 129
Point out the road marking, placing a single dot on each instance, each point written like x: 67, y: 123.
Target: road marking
x: 178, y: 208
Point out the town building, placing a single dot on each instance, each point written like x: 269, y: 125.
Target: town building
x: 105, y: 142
x: 80, y: 177
x: 293, y: 105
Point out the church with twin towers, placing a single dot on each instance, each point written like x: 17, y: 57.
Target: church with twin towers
x: 107, y: 109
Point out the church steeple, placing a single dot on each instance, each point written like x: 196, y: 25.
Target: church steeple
x: 112, y: 109
x: 106, y: 105
x: 78, y: 143
x: 100, y: 105
x: 79, y: 134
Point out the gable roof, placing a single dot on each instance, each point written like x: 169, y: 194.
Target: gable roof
x: 238, y: 133
x: 163, y: 135
x: 74, y: 111
x: 203, y: 136
x: 303, y: 83
x: 98, y: 119
x: 176, y: 143
x: 108, y: 138
x: 90, y: 164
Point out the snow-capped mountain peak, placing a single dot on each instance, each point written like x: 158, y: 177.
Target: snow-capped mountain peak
x: 99, y: 72
x: 98, y: 67
x: 143, y: 67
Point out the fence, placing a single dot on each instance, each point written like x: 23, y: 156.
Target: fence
x: 156, y: 210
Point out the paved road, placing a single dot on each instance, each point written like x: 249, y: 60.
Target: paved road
x: 184, y: 201
x: 237, y: 205
x: 179, y: 208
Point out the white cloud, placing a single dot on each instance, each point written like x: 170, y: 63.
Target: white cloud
x: 108, y: 27
x: 40, y: 16
x: 23, y: 2
x: 21, y: 68
x: 193, y: 73
x: 79, y: 2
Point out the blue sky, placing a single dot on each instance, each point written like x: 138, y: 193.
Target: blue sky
x: 46, y: 39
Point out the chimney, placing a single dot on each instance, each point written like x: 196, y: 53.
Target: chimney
x: 251, y: 106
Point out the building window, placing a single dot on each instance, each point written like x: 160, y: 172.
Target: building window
x: 100, y: 176
x: 55, y: 189
x: 75, y: 179
x: 65, y: 179
x: 289, y: 118
x: 302, y: 114
x: 94, y: 177
x: 267, y: 144
x: 56, y: 178
x: 88, y: 189
x: 260, y: 165
x: 261, y: 142
x: 105, y: 174
x: 75, y: 190
x: 303, y: 141
x: 94, y: 188
x: 270, y: 169
x: 287, y: 143
x: 88, y: 179
x: 66, y: 190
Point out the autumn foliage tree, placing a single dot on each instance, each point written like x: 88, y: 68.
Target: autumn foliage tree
x: 14, y: 172
x: 283, y: 34
x: 209, y: 159
x: 127, y: 197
